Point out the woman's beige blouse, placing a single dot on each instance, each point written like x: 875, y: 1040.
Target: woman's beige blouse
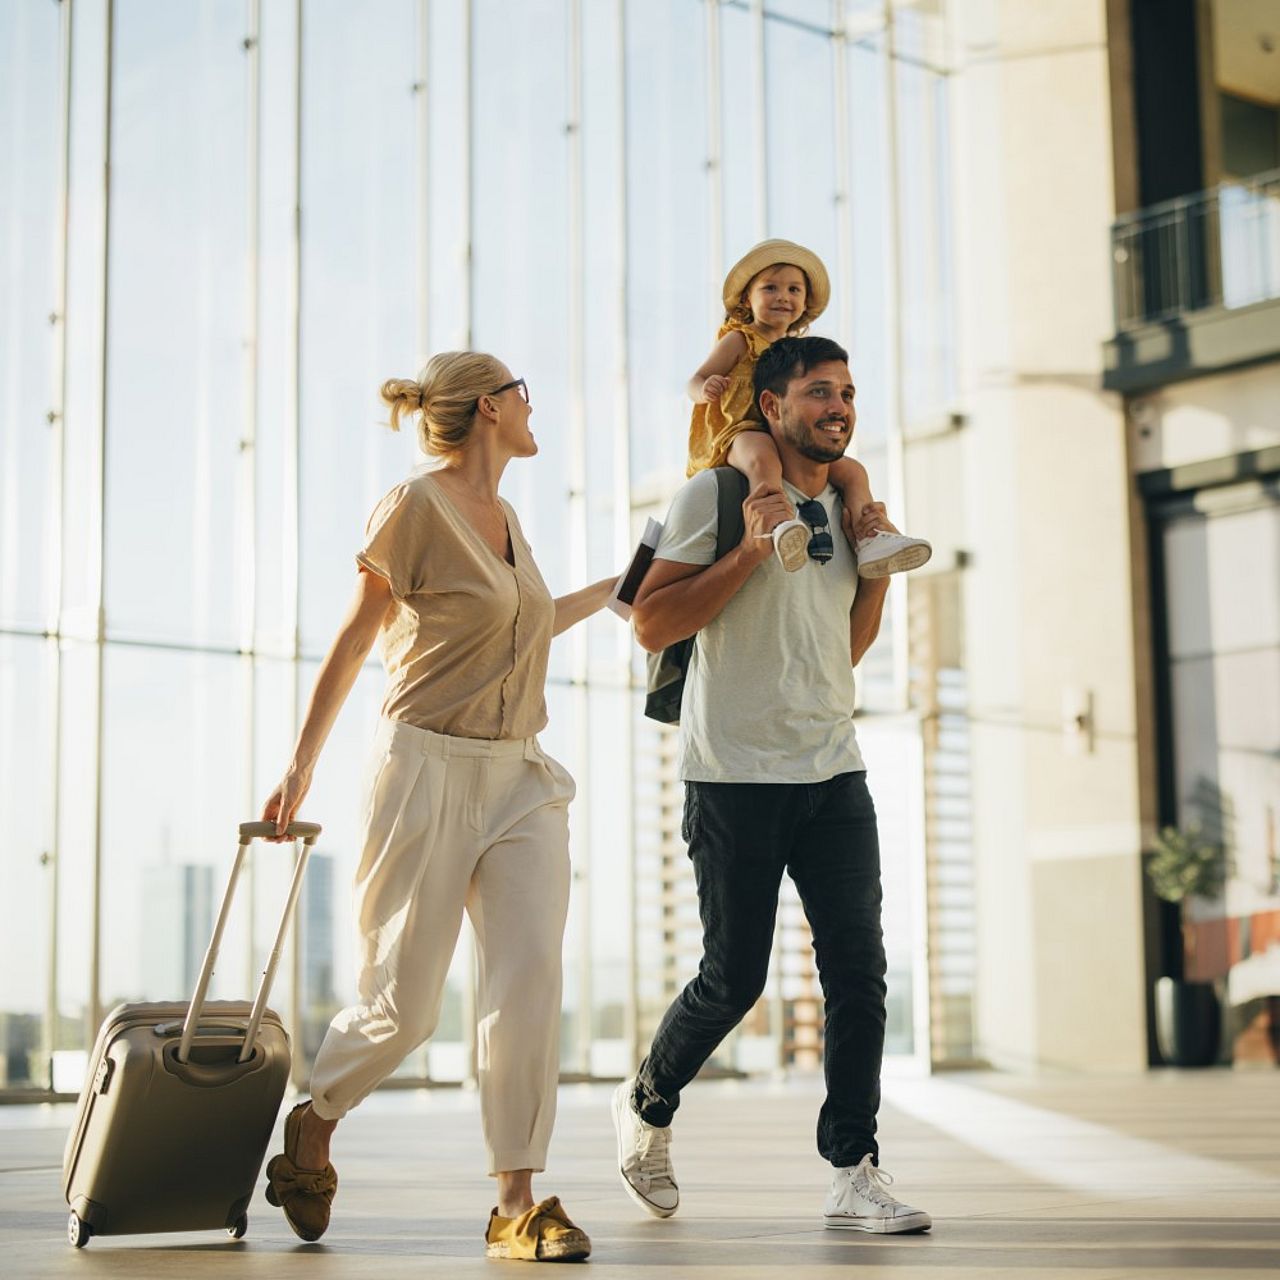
x: 466, y: 644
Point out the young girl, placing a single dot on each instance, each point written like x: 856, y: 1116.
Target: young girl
x: 777, y: 290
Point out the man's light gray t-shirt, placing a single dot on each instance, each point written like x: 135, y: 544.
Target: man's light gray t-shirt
x: 769, y: 692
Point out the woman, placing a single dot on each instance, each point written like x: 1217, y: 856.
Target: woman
x: 463, y: 807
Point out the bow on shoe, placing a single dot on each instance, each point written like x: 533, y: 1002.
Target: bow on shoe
x: 287, y: 1180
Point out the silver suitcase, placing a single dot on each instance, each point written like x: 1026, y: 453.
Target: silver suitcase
x: 181, y: 1099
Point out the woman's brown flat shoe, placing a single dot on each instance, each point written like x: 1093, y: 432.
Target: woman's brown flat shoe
x: 304, y: 1194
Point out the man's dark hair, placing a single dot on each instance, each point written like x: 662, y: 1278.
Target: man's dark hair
x: 790, y: 358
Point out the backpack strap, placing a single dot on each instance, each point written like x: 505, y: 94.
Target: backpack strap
x: 666, y: 670
x: 731, y: 493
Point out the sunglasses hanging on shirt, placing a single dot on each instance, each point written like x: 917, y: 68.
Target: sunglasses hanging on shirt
x: 814, y: 514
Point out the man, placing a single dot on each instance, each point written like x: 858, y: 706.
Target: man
x: 774, y: 781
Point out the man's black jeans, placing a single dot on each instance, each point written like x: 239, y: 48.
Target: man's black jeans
x: 741, y: 837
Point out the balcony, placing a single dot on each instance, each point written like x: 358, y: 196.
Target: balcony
x: 1196, y: 284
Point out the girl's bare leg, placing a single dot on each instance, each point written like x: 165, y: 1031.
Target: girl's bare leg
x: 756, y: 456
x: 850, y: 477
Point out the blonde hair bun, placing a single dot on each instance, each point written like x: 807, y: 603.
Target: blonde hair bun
x: 401, y: 395
x: 445, y: 394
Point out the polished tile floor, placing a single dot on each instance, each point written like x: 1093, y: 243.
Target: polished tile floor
x: 1162, y: 1175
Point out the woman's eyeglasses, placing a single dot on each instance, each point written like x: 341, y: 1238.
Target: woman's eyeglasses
x: 515, y: 382
x: 814, y: 514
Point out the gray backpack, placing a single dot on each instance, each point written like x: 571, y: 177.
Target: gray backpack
x: 664, y: 686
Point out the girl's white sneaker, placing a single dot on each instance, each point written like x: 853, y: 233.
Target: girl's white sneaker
x: 884, y: 553
x: 791, y: 544
x: 859, y: 1200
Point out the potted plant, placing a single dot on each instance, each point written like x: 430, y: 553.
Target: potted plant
x: 1184, y: 863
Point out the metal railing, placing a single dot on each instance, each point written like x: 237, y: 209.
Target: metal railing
x: 1216, y: 248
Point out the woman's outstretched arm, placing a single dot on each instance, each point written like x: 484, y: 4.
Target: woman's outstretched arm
x: 577, y: 605
x: 334, y: 681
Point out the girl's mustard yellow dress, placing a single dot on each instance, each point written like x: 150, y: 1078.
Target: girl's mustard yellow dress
x: 713, y: 426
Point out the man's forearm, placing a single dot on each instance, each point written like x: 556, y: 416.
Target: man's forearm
x: 864, y: 617
x: 683, y: 608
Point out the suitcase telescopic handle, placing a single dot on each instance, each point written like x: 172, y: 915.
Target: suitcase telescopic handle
x: 308, y: 833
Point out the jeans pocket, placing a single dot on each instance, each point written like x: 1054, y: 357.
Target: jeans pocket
x: 689, y: 819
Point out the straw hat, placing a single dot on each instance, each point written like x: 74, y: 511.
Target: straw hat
x: 769, y: 253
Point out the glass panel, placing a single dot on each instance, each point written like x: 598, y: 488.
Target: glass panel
x: 1249, y: 226
x: 277, y: 282
x: 357, y: 285
x: 896, y: 781
x: 30, y: 147
x: 868, y: 344
x: 674, y: 301
x: 325, y: 929
x: 741, y: 158
x: 924, y: 208
x: 175, y: 384
x: 802, y: 163
x: 82, y: 507
x: 26, y: 785
x: 446, y: 1057
x: 1226, y: 725
x: 1217, y: 599
x: 271, y: 865
x: 174, y: 780
x: 77, y: 1023
x: 446, y: 214
x: 522, y: 268
x: 1224, y: 640
x: 669, y: 933
x: 608, y: 538
x: 560, y: 739
x: 608, y: 889
x: 815, y: 14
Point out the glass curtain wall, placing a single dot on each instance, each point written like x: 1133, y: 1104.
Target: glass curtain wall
x: 305, y: 198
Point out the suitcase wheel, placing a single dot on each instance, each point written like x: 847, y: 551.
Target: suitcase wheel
x: 78, y: 1231
x: 237, y: 1229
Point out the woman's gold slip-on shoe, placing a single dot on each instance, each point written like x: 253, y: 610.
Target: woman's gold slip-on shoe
x: 541, y: 1234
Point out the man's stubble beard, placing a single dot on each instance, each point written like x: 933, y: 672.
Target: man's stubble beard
x: 805, y: 446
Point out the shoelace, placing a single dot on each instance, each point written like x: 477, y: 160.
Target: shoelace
x: 655, y: 1161
x: 876, y: 1187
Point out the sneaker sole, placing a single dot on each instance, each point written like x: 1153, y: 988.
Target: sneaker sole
x: 914, y: 1222
x: 900, y: 562
x: 650, y: 1208
x: 792, y: 549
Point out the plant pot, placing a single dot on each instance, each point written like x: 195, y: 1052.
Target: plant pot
x: 1188, y: 1022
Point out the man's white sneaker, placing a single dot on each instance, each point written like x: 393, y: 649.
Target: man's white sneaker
x: 859, y: 1201
x: 791, y: 544
x: 644, y: 1157
x: 884, y: 553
